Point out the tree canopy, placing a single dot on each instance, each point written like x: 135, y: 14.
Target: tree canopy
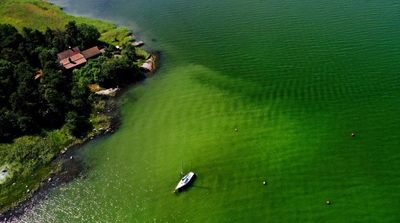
x: 36, y: 94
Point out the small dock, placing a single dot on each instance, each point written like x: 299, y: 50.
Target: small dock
x: 138, y: 43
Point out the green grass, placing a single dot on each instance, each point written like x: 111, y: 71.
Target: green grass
x: 21, y: 186
x: 141, y: 53
x: 29, y: 159
x: 38, y: 14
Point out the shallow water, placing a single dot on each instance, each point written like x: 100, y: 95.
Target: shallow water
x: 296, y: 78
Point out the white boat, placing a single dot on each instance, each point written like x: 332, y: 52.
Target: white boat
x: 185, y: 181
x: 138, y: 43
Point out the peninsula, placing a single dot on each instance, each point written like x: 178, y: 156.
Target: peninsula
x: 57, y: 75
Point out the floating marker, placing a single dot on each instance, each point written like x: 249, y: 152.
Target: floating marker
x: 328, y: 202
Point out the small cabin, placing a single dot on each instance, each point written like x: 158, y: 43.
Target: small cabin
x: 73, y: 58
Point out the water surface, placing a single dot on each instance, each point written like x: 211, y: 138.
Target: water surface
x: 294, y: 77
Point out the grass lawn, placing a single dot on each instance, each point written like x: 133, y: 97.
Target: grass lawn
x: 43, y: 14
x: 29, y: 162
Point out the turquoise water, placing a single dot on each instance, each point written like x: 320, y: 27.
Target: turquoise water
x: 294, y: 77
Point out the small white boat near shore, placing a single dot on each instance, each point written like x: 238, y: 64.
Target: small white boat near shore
x: 185, y: 181
x: 138, y: 43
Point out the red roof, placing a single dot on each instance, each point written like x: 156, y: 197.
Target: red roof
x: 74, y: 57
x: 91, y: 52
x: 68, y: 53
x: 73, y: 61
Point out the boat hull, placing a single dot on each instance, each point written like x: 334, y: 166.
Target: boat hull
x: 184, y: 185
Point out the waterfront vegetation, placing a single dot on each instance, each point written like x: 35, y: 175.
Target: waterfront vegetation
x: 45, y: 108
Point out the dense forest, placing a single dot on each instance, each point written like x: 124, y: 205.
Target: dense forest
x: 60, y: 97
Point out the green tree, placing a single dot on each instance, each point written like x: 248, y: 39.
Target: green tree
x: 9, y: 128
x: 53, y: 89
x: 46, y: 55
x: 129, y: 52
x: 119, y: 72
x: 7, y: 82
x: 77, y: 124
x: 25, y: 100
x: 9, y: 36
x: 88, y: 35
x: 56, y: 39
x: 71, y: 34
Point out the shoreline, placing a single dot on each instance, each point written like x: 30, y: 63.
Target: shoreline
x: 70, y: 166
x: 67, y: 166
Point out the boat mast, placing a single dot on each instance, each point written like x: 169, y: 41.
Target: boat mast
x: 181, y: 167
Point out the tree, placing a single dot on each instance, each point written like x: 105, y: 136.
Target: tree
x: 129, y: 52
x: 88, y: 35
x: 25, y: 100
x: 71, y: 34
x: 46, y: 55
x: 9, y: 127
x: 53, y: 89
x: 33, y: 39
x: 9, y: 36
x: 56, y: 39
x: 77, y: 124
x: 119, y: 72
x: 7, y: 82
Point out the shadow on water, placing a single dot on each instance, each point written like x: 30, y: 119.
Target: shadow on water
x: 202, y: 187
x: 193, y: 187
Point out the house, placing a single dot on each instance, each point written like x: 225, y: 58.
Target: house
x: 92, y: 52
x: 68, y: 53
x: 73, y: 61
x: 73, y: 58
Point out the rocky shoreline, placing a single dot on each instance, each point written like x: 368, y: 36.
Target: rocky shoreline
x: 70, y: 167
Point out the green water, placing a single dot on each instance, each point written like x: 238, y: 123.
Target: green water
x: 294, y: 77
